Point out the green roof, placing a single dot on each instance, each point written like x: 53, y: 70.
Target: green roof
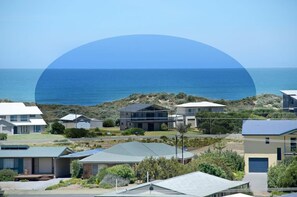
x: 34, y: 152
x: 134, y: 152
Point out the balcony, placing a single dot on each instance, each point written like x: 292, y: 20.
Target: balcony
x: 152, y: 119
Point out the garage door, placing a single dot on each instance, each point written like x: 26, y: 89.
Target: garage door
x: 258, y: 164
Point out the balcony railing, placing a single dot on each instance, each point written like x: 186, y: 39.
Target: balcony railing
x: 156, y: 119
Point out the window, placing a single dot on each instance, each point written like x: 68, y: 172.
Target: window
x: 279, y: 154
x: 3, y: 117
x: 32, y: 116
x: 13, y: 118
x: 293, y: 144
x: 94, y: 169
x: 24, y: 118
x: 267, y: 140
x: 37, y: 128
x: 8, y: 163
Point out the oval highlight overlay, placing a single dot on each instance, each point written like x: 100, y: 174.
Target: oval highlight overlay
x: 117, y: 67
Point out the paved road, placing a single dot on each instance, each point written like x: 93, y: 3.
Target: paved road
x: 258, y: 183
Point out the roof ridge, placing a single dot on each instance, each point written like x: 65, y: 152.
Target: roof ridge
x: 144, y: 144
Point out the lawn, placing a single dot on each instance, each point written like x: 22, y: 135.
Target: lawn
x: 35, y: 136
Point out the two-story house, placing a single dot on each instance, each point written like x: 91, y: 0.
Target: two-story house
x: 186, y: 113
x: 17, y: 118
x: 146, y: 116
x: 268, y: 141
x: 290, y: 100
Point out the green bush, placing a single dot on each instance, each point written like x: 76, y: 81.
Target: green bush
x: 228, y: 161
x: 284, y: 174
x: 3, y: 136
x: 76, y: 169
x: 57, y: 128
x: 160, y: 168
x: 108, y: 123
x: 7, y: 175
x: 76, y: 133
x: 212, y: 169
x: 109, y: 181
x: 101, y: 174
x: 164, y: 127
x: 133, y: 131
x: 124, y: 171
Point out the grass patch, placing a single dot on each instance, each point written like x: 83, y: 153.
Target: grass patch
x: 66, y: 183
x: 35, y: 136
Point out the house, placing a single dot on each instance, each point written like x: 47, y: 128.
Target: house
x: 290, y: 100
x: 192, y: 184
x: 80, y: 121
x: 129, y: 153
x: 186, y: 113
x: 17, y: 118
x: 35, y: 160
x: 266, y: 142
x: 145, y: 116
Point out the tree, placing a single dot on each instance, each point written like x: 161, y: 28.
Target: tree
x: 164, y: 127
x: 57, y: 128
x: 76, y: 169
x: 108, y: 123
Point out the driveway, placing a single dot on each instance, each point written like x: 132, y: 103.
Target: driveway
x: 30, y: 185
x: 258, y: 183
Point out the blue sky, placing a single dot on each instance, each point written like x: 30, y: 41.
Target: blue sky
x: 256, y: 33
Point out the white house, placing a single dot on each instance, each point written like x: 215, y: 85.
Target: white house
x: 80, y: 121
x: 17, y: 118
x: 189, y: 111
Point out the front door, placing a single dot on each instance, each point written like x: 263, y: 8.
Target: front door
x: 150, y: 127
x: 15, y: 130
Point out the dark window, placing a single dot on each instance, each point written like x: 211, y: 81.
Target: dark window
x: 140, y: 125
x: 24, y: 118
x: 267, y: 140
x: 32, y: 116
x: 293, y: 144
x: 279, y: 154
x: 13, y: 118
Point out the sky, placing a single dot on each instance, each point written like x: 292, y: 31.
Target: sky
x: 256, y: 33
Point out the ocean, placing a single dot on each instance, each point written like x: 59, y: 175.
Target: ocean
x: 95, y: 86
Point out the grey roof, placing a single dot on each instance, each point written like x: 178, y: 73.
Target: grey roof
x: 4, y: 122
x: 83, y: 153
x: 192, y: 184
x: 137, y: 107
x: 35, y: 152
x: 268, y: 127
x: 134, y: 152
x: 290, y: 195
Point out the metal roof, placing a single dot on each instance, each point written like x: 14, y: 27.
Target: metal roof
x: 192, y: 184
x: 134, y: 152
x: 83, y: 153
x: 30, y: 122
x: 138, y: 106
x: 18, y: 109
x: 71, y: 117
x: 201, y: 104
x: 289, y: 92
x: 35, y: 152
x: 268, y: 127
x: 238, y: 195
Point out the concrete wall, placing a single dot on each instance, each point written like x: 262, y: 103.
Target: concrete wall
x: 62, y: 167
x: 96, y: 124
x: 45, y: 165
